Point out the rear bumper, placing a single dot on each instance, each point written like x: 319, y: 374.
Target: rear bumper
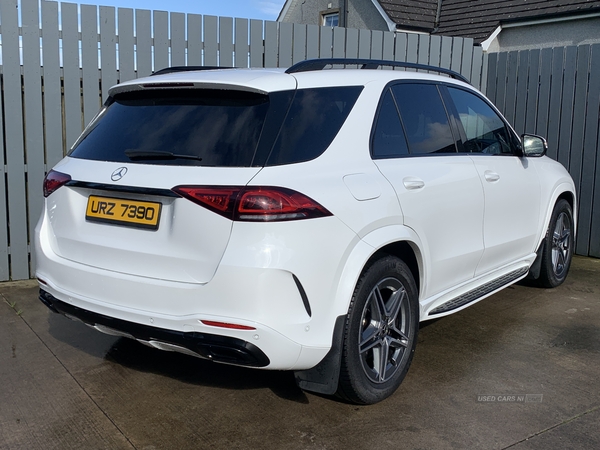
x: 222, y: 349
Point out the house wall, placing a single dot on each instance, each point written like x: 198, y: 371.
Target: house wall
x: 556, y: 34
x: 362, y: 14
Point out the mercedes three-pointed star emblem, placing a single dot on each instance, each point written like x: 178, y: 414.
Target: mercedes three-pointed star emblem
x: 118, y: 174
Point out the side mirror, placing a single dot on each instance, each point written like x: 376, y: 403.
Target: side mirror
x: 534, y: 145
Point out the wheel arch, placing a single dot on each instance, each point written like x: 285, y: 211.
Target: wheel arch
x: 564, y: 191
x: 396, y: 240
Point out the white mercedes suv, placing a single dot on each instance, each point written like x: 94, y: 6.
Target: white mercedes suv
x: 303, y: 220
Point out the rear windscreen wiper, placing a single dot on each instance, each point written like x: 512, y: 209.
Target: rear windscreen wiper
x: 156, y: 154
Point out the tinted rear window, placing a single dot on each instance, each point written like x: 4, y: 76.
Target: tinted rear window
x: 220, y: 127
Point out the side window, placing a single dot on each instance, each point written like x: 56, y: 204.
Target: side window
x: 312, y: 123
x: 424, y: 118
x: 484, y: 129
x: 388, y: 136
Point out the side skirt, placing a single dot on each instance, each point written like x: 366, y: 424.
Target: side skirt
x: 479, y: 292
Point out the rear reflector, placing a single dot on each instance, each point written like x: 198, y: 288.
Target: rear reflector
x: 254, y: 203
x: 232, y: 326
x: 54, y: 180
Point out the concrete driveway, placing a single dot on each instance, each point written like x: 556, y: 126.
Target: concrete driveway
x: 518, y: 370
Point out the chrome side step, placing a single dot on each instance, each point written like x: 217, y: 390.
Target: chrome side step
x: 477, y: 293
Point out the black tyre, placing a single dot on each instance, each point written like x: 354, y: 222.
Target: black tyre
x: 558, y: 247
x: 380, y: 332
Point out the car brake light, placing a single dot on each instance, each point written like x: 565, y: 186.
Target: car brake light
x: 254, y: 203
x: 54, y: 180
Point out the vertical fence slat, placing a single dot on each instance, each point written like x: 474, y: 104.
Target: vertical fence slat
x: 271, y: 44
x: 589, y: 199
x: 339, y: 42
x: 377, y: 44
x: 582, y: 159
x: 225, y: 41
x: 388, y: 45
x: 15, y: 158
x: 532, y: 90
x: 456, y: 59
x: 521, y: 92
x: 177, y: 28
x: 566, y: 112
x: 325, y: 42
x: 108, y: 49
x: 241, y: 42
x: 194, y: 40
x: 52, y: 89
x: 544, y: 96
x: 476, y: 68
x: 467, y: 57
x: 161, y: 40
x: 286, y: 31
x: 364, y: 43
x: 312, y: 42
x: 400, y: 47
x: 412, y: 48
x: 484, y: 72
x: 580, y: 89
x: 435, y: 46
x: 555, y: 101
x: 32, y: 98
x: 257, y: 47
x: 299, y: 44
x: 491, y: 84
x: 89, y: 61
x: 72, y: 91
x: 4, y: 262
x: 52, y: 84
x: 501, y: 77
x: 126, y: 45
x: 446, y: 56
x: 143, y: 33
x: 593, y: 140
x: 352, y: 43
x: 423, y: 51
x: 211, y: 46
x: 511, y: 87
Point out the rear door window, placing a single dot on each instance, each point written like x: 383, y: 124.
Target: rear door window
x: 424, y: 118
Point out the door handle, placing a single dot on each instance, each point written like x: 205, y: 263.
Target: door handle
x: 491, y: 176
x: 413, y: 183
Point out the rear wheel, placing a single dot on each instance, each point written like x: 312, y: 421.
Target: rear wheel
x: 380, y: 332
x: 558, y: 246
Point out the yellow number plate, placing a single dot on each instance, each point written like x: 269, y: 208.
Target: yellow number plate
x: 131, y: 213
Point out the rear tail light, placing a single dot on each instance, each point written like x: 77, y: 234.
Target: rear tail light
x: 54, y: 180
x: 254, y: 203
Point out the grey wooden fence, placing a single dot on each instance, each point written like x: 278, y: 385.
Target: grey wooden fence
x: 555, y: 92
x: 59, y: 63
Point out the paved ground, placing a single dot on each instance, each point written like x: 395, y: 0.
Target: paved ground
x: 533, y: 354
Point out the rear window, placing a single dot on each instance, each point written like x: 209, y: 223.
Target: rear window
x: 204, y: 127
x: 221, y: 128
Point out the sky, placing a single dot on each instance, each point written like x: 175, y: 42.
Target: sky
x: 247, y: 9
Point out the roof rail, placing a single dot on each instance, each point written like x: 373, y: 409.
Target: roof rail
x: 186, y: 69
x: 319, y: 64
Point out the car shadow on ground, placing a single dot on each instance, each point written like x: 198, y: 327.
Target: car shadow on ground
x: 184, y: 368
